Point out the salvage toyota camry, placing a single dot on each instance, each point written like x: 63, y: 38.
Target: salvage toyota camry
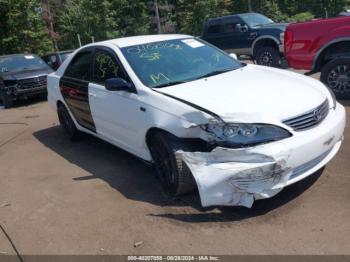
x: 236, y: 132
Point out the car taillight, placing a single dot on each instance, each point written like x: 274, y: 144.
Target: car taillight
x: 288, y: 41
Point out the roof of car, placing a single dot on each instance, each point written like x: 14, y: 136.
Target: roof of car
x: 60, y: 52
x: 13, y: 55
x: 229, y: 16
x: 143, y: 39
x: 347, y: 13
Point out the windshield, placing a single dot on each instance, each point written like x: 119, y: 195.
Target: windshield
x: 64, y: 56
x: 170, y: 62
x: 21, y: 62
x: 254, y: 20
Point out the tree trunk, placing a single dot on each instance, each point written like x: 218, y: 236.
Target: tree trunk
x: 250, y: 8
x: 157, y: 16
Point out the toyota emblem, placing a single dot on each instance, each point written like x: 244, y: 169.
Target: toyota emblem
x: 317, y: 115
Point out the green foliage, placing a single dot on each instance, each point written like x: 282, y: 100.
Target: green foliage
x: 271, y: 9
x: 302, y: 17
x: 191, y: 15
x: 88, y: 18
x: 101, y: 19
x: 22, y: 29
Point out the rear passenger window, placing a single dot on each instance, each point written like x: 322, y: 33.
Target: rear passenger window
x: 231, y: 25
x: 79, y: 67
x: 214, y: 29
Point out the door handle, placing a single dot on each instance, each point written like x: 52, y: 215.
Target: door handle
x: 92, y: 94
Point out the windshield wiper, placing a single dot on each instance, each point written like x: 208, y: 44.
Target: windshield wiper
x: 216, y: 72
x: 170, y: 84
x: 213, y: 73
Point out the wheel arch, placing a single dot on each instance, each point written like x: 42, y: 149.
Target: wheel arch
x: 151, y: 132
x: 193, y: 143
x: 319, y: 59
x: 58, y: 103
x: 264, y: 41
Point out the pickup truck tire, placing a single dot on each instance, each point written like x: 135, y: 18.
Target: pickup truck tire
x: 7, y: 100
x: 67, y: 123
x: 336, y: 75
x: 268, y: 56
x: 176, y: 178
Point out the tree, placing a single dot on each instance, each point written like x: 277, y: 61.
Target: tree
x: 162, y: 16
x: 301, y: 17
x: 250, y: 8
x: 22, y: 28
x: 271, y: 9
x: 131, y: 17
x: 88, y: 18
x: 101, y: 19
x: 191, y: 15
x: 27, y: 26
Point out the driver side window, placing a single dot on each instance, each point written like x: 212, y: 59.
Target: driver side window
x: 79, y: 68
x: 232, y: 25
x: 105, y: 67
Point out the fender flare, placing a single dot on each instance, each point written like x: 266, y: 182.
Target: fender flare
x: 263, y: 38
x: 319, y: 52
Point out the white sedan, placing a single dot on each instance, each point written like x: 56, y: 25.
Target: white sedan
x: 235, y: 132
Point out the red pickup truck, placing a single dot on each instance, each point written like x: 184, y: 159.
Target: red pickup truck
x: 322, y: 46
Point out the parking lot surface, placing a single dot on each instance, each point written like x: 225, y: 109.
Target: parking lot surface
x: 88, y: 197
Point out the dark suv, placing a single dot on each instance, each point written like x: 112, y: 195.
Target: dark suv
x: 22, y: 76
x: 249, y: 34
x: 54, y: 60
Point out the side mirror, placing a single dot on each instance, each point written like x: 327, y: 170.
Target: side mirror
x: 234, y: 56
x: 243, y: 28
x: 119, y: 84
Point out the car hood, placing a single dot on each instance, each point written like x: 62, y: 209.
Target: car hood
x: 252, y: 94
x: 281, y: 26
x: 26, y: 74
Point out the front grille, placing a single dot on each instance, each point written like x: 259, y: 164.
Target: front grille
x: 35, y: 82
x: 310, y: 118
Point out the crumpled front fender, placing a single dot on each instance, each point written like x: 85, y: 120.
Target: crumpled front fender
x: 236, y: 177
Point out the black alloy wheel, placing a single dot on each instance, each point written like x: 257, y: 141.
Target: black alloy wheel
x: 67, y: 123
x: 336, y: 75
x: 268, y: 56
x: 174, y: 175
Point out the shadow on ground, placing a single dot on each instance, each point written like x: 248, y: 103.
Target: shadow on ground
x: 26, y: 102
x: 345, y: 102
x: 136, y: 180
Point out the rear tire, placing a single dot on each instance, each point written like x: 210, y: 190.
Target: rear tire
x: 268, y: 56
x: 7, y: 100
x: 176, y: 178
x: 336, y: 75
x: 67, y: 123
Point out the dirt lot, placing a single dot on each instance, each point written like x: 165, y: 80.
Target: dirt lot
x: 89, y: 197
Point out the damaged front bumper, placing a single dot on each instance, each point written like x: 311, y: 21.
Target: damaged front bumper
x: 237, y: 177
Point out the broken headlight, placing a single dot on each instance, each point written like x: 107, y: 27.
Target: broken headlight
x: 244, y: 134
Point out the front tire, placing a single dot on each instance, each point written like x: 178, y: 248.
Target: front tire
x: 268, y: 56
x: 67, y: 123
x: 176, y: 178
x: 6, y: 99
x: 336, y: 75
